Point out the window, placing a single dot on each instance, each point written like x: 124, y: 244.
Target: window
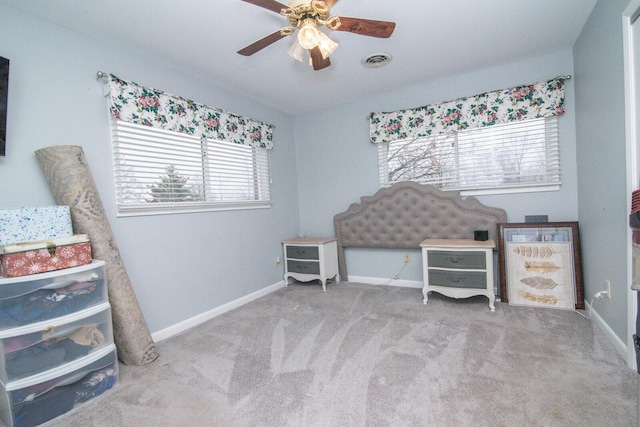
x: 517, y: 156
x: 161, y: 171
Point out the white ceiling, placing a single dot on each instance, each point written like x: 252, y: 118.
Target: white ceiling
x: 433, y: 39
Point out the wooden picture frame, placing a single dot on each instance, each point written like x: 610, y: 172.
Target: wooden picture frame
x: 541, y: 232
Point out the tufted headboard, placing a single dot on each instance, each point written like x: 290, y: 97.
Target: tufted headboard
x: 403, y: 215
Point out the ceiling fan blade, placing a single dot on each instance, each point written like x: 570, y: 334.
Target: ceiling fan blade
x: 272, y: 5
x: 317, y: 60
x: 262, y: 43
x: 367, y: 27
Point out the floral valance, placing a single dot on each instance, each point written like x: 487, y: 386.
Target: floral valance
x: 543, y: 99
x: 150, y: 107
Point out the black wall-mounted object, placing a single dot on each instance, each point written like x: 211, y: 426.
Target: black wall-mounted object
x: 4, y: 90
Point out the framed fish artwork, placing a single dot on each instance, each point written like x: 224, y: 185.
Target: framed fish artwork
x: 541, y: 264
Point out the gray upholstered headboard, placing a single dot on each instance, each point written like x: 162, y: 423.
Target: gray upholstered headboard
x: 403, y: 215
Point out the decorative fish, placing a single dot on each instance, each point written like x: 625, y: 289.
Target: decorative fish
x: 541, y: 267
x: 538, y: 282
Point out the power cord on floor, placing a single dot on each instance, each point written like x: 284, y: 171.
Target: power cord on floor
x: 397, y: 275
x: 597, y: 297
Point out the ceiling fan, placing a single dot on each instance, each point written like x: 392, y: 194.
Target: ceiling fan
x: 307, y: 16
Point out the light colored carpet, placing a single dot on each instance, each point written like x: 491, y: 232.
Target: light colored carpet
x: 365, y: 355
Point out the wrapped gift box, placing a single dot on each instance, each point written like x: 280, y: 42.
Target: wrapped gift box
x: 29, y: 224
x: 21, y: 259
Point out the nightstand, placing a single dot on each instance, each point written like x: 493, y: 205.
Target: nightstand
x: 458, y: 268
x: 309, y: 259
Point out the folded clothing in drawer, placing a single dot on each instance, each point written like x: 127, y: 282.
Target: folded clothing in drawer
x: 45, y: 296
x: 35, y: 348
x: 34, y: 223
x: 41, y: 398
x: 21, y: 259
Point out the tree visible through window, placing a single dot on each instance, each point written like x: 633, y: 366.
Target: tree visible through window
x: 173, y: 187
x: 513, y: 155
x: 161, y: 171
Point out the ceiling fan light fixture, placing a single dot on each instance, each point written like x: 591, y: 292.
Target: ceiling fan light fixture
x: 297, y: 52
x: 308, y: 36
x: 307, y: 17
x: 326, y: 45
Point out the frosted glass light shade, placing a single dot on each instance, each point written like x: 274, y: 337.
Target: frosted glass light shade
x: 297, y: 51
x: 308, y: 36
x: 326, y: 45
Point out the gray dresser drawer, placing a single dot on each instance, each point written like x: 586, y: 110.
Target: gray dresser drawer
x: 456, y: 279
x: 459, y: 260
x: 302, y: 252
x: 305, y: 267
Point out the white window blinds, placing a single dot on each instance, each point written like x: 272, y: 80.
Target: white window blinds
x: 160, y: 171
x: 519, y: 155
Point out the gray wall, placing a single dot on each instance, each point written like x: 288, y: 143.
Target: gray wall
x: 180, y: 265
x: 601, y: 154
x: 338, y: 164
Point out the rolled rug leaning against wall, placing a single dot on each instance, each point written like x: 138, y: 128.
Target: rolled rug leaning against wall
x: 67, y: 172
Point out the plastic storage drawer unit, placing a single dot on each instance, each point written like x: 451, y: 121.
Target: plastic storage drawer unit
x: 42, y: 397
x: 32, y: 349
x: 30, y: 299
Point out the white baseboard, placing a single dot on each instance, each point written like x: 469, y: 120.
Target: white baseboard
x: 208, y: 315
x: 388, y: 282
x: 617, y: 343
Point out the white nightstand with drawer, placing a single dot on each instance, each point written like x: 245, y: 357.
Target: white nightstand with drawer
x: 458, y: 268
x: 309, y: 259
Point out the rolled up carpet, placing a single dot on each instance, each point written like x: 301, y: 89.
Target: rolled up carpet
x: 67, y: 172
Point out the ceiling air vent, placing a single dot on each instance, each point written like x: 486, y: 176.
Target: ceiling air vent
x: 376, y: 60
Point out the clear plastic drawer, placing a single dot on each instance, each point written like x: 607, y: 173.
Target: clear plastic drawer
x: 41, y: 398
x: 30, y: 299
x: 35, y: 348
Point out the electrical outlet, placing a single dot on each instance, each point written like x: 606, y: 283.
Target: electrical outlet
x: 276, y: 261
x: 607, y: 288
x: 407, y: 258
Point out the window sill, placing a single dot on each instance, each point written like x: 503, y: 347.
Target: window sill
x: 181, y: 208
x: 512, y: 190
